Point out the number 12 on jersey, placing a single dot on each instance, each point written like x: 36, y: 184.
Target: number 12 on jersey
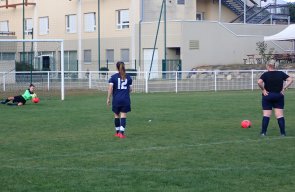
x: 122, y: 84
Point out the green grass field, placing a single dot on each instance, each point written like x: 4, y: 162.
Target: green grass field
x: 194, y: 142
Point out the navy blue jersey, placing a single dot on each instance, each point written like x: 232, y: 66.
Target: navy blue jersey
x: 121, y: 90
x: 274, y: 80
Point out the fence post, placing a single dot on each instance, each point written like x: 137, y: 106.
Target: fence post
x: 4, y: 87
x: 252, y: 76
x: 48, y: 81
x: 135, y: 64
x: 176, y: 82
x: 89, y: 79
x: 215, y: 80
x: 146, y: 82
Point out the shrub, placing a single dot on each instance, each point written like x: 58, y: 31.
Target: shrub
x: 103, y: 69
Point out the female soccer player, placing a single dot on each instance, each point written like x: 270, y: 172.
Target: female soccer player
x: 272, y: 85
x: 120, y: 86
x: 21, y: 99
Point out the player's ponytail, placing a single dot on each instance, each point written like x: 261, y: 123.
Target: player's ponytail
x: 121, y: 68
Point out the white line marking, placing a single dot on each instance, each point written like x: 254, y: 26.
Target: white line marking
x: 120, y: 169
x: 147, y: 149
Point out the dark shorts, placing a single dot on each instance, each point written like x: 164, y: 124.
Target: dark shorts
x: 19, y: 99
x: 118, y: 109
x: 273, y: 100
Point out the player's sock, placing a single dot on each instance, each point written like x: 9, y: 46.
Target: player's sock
x: 5, y: 101
x: 117, y: 124
x: 123, y: 125
x: 281, y: 122
x: 265, y: 121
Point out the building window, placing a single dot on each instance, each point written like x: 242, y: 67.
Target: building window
x: 89, y: 22
x: 200, y: 16
x: 70, y: 61
x: 71, y: 24
x: 87, y: 56
x: 27, y: 56
x: 4, y: 26
x: 110, y: 55
x: 122, y: 19
x: 28, y: 26
x: 7, y: 56
x: 180, y: 2
x: 43, y: 25
x: 125, y: 55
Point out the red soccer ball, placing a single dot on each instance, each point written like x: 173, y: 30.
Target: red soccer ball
x: 36, y: 100
x: 246, y: 124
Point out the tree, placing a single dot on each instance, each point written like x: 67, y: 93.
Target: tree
x: 262, y: 48
x: 292, y: 12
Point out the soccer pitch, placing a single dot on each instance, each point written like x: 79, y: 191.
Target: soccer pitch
x: 194, y: 142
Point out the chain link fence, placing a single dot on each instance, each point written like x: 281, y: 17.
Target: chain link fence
x: 48, y: 83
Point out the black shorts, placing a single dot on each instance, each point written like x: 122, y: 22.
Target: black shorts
x: 273, y: 100
x: 19, y: 99
x: 118, y: 109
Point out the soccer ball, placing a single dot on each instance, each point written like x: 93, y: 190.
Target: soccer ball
x: 246, y: 124
x: 36, y: 100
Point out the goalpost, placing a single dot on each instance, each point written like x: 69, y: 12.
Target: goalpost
x: 37, y: 61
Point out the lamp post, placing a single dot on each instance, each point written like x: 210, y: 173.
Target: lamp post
x: 23, y: 56
x: 165, y: 32
x: 31, y: 65
x: 98, y: 33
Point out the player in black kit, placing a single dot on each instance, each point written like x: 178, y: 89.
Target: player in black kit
x: 273, y: 84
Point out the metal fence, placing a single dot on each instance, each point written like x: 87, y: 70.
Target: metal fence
x: 172, y: 81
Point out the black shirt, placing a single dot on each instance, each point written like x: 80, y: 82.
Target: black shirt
x: 274, y: 80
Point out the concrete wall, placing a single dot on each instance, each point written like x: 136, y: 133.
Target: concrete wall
x: 218, y: 43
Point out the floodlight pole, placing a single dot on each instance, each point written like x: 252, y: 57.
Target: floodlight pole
x: 98, y: 33
x: 165, y: 32
x: 23, y: 57
x: 156, y: 39
x: 31, y: 66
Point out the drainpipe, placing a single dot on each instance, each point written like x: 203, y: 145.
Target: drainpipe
x: 23, y: 57
x: 245, y: 12
x: 219, y: 11
x: 133, y: 7
x: 79, y: 38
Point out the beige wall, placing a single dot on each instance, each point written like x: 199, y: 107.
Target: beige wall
x: 225, y: 48
x: 152, y: 10
x: 211, y: 11
x: 111, y: 37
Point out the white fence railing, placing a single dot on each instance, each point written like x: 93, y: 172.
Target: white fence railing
x: 168, y: 81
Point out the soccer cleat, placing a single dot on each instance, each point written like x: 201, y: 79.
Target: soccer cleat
x: 12, y: 104
x: 262, y: 134
x: 3, y: 102
x: 283, y: 135
x: 122, y: 136
x: 116, y: 134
